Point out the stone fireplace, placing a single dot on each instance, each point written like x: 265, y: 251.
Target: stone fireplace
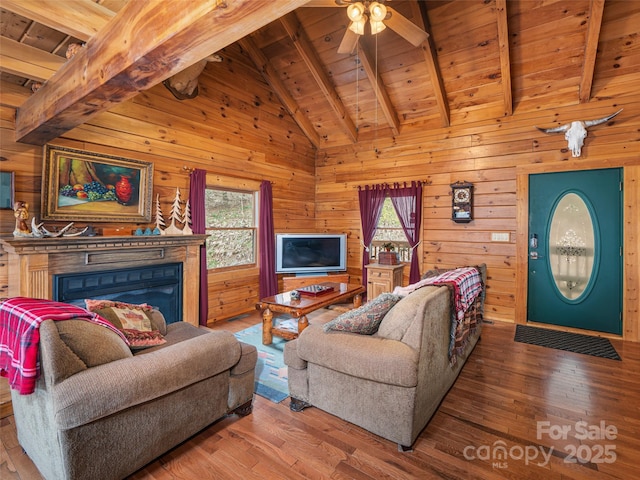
x: 136, y: 269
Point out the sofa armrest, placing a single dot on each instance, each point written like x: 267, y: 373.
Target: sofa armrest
x: 103, y: 390
x: 363, y: 356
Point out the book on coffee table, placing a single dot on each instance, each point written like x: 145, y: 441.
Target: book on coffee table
x: 315, y: 290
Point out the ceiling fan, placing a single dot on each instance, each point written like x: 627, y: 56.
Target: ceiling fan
x: 379, y: 15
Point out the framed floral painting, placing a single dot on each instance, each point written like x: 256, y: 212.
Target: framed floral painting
x: 92, y: 187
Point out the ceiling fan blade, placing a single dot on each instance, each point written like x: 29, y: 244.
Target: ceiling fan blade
x: 405, y: 28
x: 349, y: 42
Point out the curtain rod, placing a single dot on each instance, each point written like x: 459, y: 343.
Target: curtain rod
x: 392, y: 184
x: 191, y: 169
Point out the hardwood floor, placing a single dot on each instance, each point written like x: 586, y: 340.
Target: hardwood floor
x: 502, y: 393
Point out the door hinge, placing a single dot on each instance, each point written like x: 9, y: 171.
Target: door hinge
x: 620, y: 251
x: 620, y: 184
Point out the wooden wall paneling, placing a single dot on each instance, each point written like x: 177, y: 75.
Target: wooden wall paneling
x: 631, y: 250
x: 249, y: 140
x: 237, y: 127
x: 488, y: 153
x: 232, y: 292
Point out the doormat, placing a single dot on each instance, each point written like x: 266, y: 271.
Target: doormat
x: 271, y: 381
x: 570, y: 342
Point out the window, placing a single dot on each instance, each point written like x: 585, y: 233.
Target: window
x: 231, y: 225
x: 390, y: 231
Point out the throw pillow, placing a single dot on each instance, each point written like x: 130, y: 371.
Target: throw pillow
x: 140, y: 339
x: 134, y: 321
x: 366, y: 319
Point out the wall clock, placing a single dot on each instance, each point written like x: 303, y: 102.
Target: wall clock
x: 461, y: 202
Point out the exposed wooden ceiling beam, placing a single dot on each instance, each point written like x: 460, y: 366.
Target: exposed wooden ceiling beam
x: 271, y: 77
x: 429, y: 51
x: 25, y: 61
x: 321, y: 3
x: 145, y: 43
x: 304, y: 47
x: 368, y: 63
x: 81, y: 19
x: 591, y: 49
x: 505, y: 62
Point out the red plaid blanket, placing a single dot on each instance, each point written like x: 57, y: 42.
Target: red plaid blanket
x: 465, y: 284
x: 20, y: 320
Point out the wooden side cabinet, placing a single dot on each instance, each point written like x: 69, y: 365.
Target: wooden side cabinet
x: 383, y: 279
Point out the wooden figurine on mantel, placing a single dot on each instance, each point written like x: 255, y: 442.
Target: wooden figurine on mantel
x: 21, y: 212
x: 172, y: 229
x: 186, y: 219
x: 159, y: 218
x: 176, y: 216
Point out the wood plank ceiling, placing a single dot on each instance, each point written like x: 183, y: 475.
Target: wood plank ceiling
x: 482, y: 60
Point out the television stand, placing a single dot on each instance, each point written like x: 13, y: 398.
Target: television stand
x: 291, y: 283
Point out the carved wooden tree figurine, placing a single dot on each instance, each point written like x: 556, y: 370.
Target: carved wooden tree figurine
x: 176, y: 215
x: 159, y: 218
x: 187, y: 220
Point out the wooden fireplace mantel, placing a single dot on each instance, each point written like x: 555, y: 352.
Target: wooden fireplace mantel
x: 33, y: 262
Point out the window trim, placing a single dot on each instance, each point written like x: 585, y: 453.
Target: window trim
x: 219, y: 185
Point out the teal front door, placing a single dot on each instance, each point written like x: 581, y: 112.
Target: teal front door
x: 575, y: 249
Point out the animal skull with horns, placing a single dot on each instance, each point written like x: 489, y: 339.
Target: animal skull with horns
x: 576, y: 132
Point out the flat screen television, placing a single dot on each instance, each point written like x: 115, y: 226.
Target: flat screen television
x: 310, y: 253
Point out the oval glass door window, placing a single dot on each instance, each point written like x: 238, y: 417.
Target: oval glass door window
x: 571, y: 246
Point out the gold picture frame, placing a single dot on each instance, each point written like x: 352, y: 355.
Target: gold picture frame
x: 92, y: 187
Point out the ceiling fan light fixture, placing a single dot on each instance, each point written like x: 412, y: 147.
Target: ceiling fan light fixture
x: 377, y: 12
x: 358, y: 27
x: 355, y: 12
x: 376, y: 27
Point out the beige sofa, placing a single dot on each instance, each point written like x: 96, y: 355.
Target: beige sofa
x: 100, y: 412
x: 389, y: 383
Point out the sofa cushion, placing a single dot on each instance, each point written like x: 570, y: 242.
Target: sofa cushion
x: 93, y: 344
x: 365, y: 319
x: 360, y: 356
x: 135, y: 321
x: 396, y: 322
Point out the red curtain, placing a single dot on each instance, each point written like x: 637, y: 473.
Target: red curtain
x: 197, y: 187
x: 371, y: 200
x: 267, y: 243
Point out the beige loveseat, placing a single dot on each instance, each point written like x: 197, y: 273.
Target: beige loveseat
x: 99, y: 412
x: 389, y: 383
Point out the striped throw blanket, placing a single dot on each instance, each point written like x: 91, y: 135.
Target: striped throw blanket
x: 465, y: 284
x: 20, y: 319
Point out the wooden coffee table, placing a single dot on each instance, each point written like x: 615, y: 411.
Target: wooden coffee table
x: 283, y: 303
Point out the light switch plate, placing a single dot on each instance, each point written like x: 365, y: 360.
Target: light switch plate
x: 499, y: 236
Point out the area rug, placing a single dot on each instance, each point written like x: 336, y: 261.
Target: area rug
x: 570, y: 342
x: 271, y: 373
